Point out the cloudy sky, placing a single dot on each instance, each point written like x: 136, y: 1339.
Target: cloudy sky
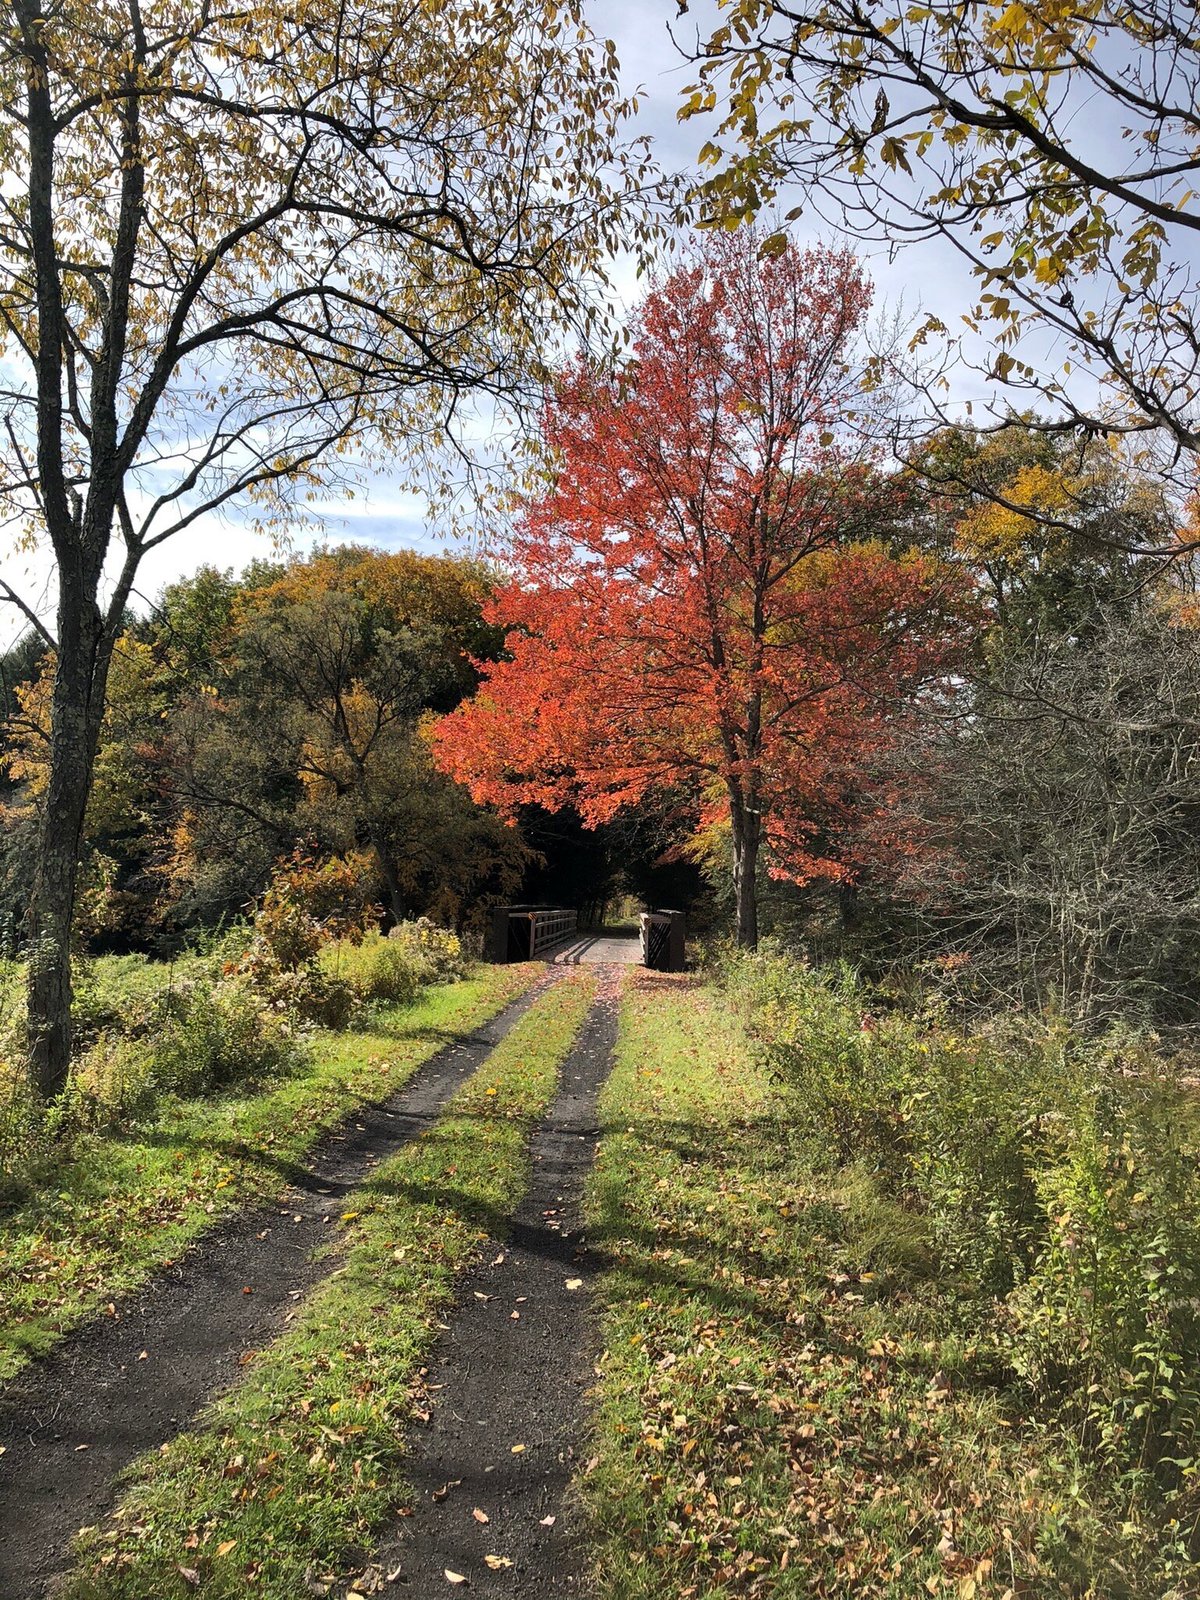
x: 384, y: 514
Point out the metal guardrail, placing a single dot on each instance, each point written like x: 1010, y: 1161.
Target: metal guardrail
x: 519, y: 933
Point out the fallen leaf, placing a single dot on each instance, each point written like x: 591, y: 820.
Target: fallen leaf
x: 547, y: 1522
x: 497, y: 1563
x: 517, y: 1448
x: 440, y: 1494
x: 79, y: 1447
x: 225, y: 1546
x: 145, y: 1355
x: 453, y: 1577
x: 480, y: 1516
x: 574, y: 1283
x: 190, y: 1576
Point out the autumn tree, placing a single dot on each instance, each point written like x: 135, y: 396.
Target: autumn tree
x: 1052, y: 530
x: 246, y: 248
x: 1054, y: 147
x: 340, y: 661
x: 1050, y: 820
x: 704, y: 600
x: 252, y: 718
x: 119, y: 836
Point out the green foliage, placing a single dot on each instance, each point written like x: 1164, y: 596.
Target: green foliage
x: 1057, y: 1187
x: 435, y: 951
x: 203, y: 1037
x: 393, y: 970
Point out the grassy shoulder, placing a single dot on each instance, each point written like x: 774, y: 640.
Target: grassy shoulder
x: 288, y: 1478
x: 127, y: 1205
x: 783, y: 1408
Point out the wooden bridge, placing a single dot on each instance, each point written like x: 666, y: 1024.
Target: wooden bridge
x: 552, y: 933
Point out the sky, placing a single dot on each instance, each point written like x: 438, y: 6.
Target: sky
x: 383, y: 513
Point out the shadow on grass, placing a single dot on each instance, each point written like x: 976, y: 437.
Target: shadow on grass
x: 78, y: 1175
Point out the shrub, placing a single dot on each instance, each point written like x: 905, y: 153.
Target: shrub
x: 207, y: 1037
x: 309, y: 903
x: 125, y: 994
x: 392, y: 971
x: 437, y: 951
x: 380, y: 971
x: 1109, y: 1316
x: 1058, y: 1190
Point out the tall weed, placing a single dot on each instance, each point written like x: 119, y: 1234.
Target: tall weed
x: 1057, y: 1187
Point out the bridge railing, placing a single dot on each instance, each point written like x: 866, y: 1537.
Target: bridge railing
x: 550, y: 927
x: 663, y: 940
x: 521, y: 933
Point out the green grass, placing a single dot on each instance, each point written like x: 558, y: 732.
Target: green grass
x: 784, y: 1407
x: 128, y: 1205
x: 301, y: 1465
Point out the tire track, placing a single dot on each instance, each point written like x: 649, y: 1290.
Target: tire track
x: 125, y: 1384
x: 506, y: 1382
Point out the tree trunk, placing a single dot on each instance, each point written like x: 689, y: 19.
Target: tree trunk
x: 75, y: 727
x: 397, y: 902
x: 747, y: 829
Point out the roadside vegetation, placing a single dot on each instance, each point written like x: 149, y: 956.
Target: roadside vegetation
x: 286, y: 1481
x: 889, y: 1311
x: 200, y: 1094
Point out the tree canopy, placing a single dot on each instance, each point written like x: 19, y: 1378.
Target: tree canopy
x: 705, y: 601
x: 1054, y: 147
x: 246, y: 250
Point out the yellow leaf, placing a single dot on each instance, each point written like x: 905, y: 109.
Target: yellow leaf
x: 225, y: 1546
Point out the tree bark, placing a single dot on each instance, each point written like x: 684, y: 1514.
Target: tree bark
x: 397, y: 904
x: 79, y: 685
x: 747, y: 835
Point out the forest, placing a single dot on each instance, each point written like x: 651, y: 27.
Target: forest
x: 349, y: 1245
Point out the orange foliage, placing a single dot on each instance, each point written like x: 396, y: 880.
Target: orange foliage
x: 701, y: 600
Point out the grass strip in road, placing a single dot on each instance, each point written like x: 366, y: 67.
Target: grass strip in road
x: 775, y: 1417
x: 289, y: 1477
x: 131, y: 1204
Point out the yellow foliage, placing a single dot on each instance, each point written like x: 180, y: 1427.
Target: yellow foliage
x: 1015, y: 529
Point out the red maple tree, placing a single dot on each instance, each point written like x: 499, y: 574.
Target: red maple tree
x: 705, y: 598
